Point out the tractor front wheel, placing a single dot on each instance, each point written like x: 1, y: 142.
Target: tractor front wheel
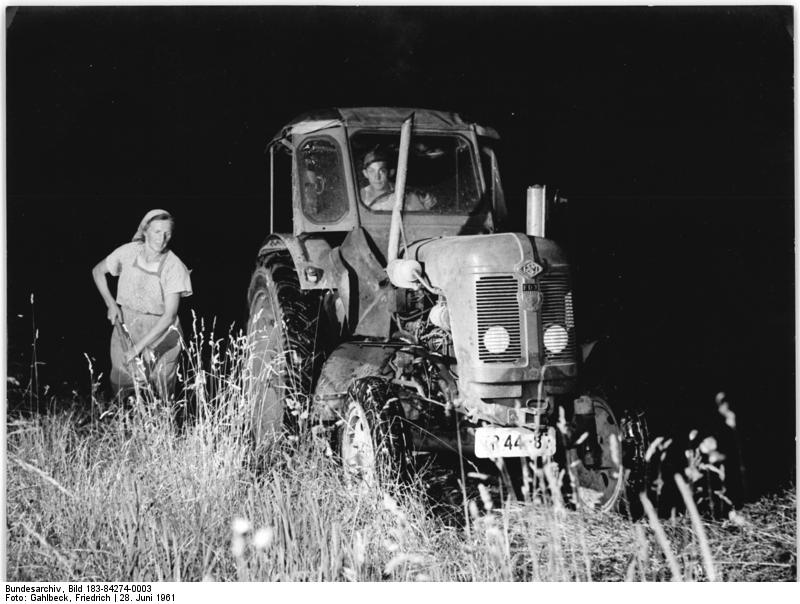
x: 598, y: 482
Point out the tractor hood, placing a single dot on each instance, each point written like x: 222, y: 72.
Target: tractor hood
x: 494, y: 286
x: 447, y: 260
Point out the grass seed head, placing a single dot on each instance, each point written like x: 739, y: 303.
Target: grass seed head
x: 708, y: 445
x: 262, y: 538
x: 240, y: 526
x: 486, y: 497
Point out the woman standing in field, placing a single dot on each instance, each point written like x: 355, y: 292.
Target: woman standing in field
x: 152, y: 280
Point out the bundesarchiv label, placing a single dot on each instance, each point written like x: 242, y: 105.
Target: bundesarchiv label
x: 35, y: 593
x: 85, y: 592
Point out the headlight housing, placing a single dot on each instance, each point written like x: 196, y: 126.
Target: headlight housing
x: 556, y: 339
x: 496, y: 339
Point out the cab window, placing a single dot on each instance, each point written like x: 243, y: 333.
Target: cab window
x: 441, y: 177
x: 321, y: 179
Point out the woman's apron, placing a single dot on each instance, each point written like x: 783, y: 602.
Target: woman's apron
x: 159, y: 365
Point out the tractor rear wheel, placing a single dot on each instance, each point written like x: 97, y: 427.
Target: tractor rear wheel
x: 283, y: 353
x: 599, y: 484
x: 374, y: 442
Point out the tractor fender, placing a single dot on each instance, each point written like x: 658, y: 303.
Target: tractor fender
x: 317, y: 264
x: 364, y: 293
x: 348, y: 362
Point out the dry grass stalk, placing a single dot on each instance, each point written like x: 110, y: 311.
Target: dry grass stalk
x: 705, y: 550
x: 661, y: 537
x: 43, y: 475
x: 49, y: 548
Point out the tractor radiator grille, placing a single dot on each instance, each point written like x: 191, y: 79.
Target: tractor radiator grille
x: 557, y: 310
x: 498, y: 319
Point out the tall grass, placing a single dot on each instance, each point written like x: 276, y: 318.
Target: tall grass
x: 134, y: 494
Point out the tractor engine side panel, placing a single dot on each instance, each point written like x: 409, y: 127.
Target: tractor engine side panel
x: 502, y: 292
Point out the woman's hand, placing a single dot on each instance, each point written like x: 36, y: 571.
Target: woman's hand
x: 114, y: 313
x: 99, y: 273
x: 129, y: 356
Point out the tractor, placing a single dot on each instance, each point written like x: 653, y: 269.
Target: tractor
x: 389, y: 309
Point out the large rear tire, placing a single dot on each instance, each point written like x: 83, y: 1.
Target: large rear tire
x: 374, y: 443
x: 283, y: 348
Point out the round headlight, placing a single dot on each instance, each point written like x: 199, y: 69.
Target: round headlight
x: 496, y: 339
x: 556, y: 339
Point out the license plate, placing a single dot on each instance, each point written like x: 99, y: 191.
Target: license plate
x: 494, y: 441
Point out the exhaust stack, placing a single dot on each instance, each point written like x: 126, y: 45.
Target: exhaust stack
x: 402, y: 273
x: 536, y: 211
x: 399, y: 189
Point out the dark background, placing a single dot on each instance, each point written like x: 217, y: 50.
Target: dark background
x: 670, y: 131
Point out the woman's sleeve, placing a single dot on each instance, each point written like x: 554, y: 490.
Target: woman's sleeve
x: 115, y: 259
x: 176, y: 279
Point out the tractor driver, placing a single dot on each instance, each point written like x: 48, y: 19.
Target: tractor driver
x: 377, y: 194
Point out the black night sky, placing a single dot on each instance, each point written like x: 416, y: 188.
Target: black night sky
x: 669, y: 129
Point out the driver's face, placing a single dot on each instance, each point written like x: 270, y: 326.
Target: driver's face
x: 377, y: 174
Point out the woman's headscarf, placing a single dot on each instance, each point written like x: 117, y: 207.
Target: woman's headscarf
x: 148, y: 218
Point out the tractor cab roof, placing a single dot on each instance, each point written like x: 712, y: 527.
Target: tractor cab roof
x: 379, y: 117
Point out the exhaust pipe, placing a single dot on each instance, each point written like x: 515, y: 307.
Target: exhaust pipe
x: 536, y: 211
x: 399, y: 189
x: 402, y: 273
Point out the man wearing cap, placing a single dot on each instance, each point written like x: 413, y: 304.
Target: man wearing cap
x: 377, y: 194
x: 376, y: 171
